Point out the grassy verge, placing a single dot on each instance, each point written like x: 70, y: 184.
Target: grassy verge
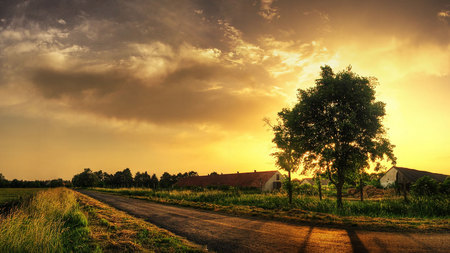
x: 51, y: 221
x: 384, y: 215
x: 116, y: 231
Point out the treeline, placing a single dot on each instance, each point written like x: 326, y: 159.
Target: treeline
x: 15, y: 183
x: 120, y: 179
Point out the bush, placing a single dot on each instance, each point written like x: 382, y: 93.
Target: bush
x: 444, y: 187
x: 425, y: 186
x: 306, y: 189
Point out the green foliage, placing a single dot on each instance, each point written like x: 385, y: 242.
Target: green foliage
x: 87, y: 178
x: 425, y: 207
x: 425, y: 186
x: 307, y: 189
x: 336, y: 125
x: 444, y: 187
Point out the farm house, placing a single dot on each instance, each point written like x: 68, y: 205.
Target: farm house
x: 264, y: 180
x: 405, y: 176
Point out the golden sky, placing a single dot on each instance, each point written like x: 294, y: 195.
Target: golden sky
x: 184, y: 85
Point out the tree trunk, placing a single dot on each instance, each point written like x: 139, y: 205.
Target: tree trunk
x: 289, y: 188
x: 404, y: 192
x: 319, y: 184
x: 361, y: 188
x: 339, y: 195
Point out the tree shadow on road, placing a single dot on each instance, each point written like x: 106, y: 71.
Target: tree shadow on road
x: 357, y: 244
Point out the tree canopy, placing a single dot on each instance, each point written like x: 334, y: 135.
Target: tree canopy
x: 337, y: 126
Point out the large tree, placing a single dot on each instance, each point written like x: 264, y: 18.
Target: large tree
x: 337, y: 126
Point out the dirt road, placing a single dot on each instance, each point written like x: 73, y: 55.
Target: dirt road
x: 223, y: 233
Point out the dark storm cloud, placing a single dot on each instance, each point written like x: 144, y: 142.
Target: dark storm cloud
x: 183, y: 96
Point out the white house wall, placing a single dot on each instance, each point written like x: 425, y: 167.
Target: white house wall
x: 268, y: 186
x: 389, y: 178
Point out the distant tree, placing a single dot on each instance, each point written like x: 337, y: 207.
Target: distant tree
x: 154, y: 182
x: 123, y: 178
x: 85, y: 179
x: 192, y: 173
x: 56, y: 183
x: 213, y: 173
x: 108, y: 179
x: 142, y: 179
x: 3, y: 181
x: 166, y: 180
x: 101, y: 178
x: 425, y: 186
x: 15, y: 183
x: 336, y: 126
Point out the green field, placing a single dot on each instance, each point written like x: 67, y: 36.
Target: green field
x: 15, y: 194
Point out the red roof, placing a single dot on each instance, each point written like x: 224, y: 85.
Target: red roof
x: 251, y: 179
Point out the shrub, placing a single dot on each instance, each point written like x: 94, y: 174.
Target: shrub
x: 425, y: 186
x: 444, y: 187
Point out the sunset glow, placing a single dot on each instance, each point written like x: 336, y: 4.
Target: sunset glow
x: 184, y: 85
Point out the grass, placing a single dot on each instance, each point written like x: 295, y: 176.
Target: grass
x: 436, y: 207
x: 8, y: 195
x: 116, y: 231
x: 385, y: 214
x: 51, y: 221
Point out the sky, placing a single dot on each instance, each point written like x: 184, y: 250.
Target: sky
x: 182, y: 85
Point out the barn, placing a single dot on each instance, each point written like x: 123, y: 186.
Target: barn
x: 264, y: 180
x: 406, y: 176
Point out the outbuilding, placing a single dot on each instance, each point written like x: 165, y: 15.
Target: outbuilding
x: 405, y: 176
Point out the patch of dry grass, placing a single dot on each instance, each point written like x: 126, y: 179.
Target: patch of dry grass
x: 116, y: 231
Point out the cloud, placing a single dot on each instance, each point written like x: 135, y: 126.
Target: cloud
x: 193, y: 88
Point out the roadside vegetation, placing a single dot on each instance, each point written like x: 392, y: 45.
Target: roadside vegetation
x: 116, y: 231
x: 390, y: 212
x: 389, y: 207
x: 51, y: 221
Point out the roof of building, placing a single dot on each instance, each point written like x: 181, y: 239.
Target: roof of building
x: 251, y: 179
x: 412, y: 175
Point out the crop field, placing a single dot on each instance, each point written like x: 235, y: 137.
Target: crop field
x: 16, y: 194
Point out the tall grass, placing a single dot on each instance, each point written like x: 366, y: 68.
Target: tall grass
x: 423, y: 207
x: 49, y: 222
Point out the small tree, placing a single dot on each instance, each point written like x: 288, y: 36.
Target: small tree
x: 425, y: 186
x: 287, y: 158
x: 318, y: 179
